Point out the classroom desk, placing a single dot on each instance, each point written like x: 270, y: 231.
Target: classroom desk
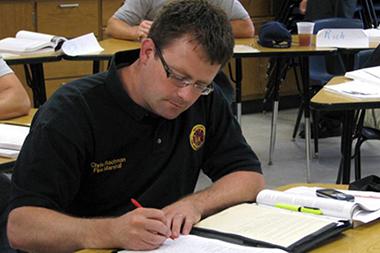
x: 362, y: 239
x: 303, y: 52
x: 110, y: 46
x: 331, y: 101
x: 6, y: 164
x: 35, y: 77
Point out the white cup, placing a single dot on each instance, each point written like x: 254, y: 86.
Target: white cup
x: 305, y: 31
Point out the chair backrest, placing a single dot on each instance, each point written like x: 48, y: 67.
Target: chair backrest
x: 362, y: 59
x: 374, y: 58
x: 337, y: 23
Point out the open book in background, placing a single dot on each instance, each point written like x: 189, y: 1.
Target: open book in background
x: 365, y: 208
x: 27, y: 42
x: 365, y: 84
x: 11, y: 139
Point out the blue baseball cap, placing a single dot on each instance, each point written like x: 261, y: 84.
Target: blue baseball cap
x: 274, y: 34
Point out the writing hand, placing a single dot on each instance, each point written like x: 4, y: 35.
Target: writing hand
x: 141, y: 229
x: 181, y: 214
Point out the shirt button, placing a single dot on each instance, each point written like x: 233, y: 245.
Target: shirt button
x: 159, y: 141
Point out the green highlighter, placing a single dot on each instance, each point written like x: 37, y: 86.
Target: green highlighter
x: 302, y: 209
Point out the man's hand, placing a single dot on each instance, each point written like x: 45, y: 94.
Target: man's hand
x: 141, y: 229
x: 181, y: 214
x: 143, y: 28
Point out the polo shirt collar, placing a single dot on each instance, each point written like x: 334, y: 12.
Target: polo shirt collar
x: 115, y: 86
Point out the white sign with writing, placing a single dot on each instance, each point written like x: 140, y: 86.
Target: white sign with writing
x: 342, y: 38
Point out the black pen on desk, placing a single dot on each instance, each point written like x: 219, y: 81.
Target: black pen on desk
x: 136, y: 203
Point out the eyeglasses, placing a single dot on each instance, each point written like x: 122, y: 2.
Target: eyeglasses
x: 181, y: 81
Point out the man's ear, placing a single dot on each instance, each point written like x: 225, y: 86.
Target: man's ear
x: 146, y: 50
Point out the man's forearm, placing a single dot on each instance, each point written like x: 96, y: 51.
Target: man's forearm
x: 234, y: 188
x: 120, y: 30
x: 243, y: 28
x: 35, y: 229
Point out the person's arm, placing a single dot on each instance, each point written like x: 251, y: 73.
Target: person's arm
x: 302, y: 7
x: 234, y: 188
x: 121, y: 30
x: 243, y: 28
x: 36, y: 229
x: 14, y: 100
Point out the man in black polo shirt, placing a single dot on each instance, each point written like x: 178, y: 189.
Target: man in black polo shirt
x: 142, y: 130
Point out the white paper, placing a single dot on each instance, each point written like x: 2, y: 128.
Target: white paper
x: 356, y: 89
x: 373, y: 34
x: 342, y: 38
x: 34, y: 36
x: 197, y: 244
x: 12, y: 136
x: 85, y: 44
x: 245, y: 49
x: 371, y: 74
x: 9, y: 153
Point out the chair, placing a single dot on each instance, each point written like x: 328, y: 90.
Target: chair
x: 366, y: 58
x: 321, y: 72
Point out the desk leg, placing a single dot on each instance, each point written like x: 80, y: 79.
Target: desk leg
x: 277, y: 80
x: 36, y: 81
x: 306, y: 96
x: 95, y: 67
x: 239, y: 78
x: 346, y: 147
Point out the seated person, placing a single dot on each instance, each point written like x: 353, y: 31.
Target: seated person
x: 133, y: 20
x: 144, y: 129
x: 14, y: 100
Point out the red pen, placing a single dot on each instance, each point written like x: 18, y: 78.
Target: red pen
x: 136, y: 203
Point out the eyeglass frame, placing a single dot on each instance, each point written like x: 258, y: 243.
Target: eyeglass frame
x: 181, y: 81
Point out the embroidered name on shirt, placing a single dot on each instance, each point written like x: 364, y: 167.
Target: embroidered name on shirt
x: 108, y: 165
x: 197, y: 136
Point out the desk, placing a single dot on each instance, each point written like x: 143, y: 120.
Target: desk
x: 6, y: 164
x: 330, y: 101
x: 35, y: 76
x: 363, y: 239
x: 294, y: 51
x: 111, y: 46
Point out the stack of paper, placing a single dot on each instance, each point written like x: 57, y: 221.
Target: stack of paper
x: 11, y: 139
x: 365, y: 84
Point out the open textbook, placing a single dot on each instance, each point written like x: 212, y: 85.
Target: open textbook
x: 26, y: 42
x: 11, y: 139
x: 193, y: 243
x: 294, y: 220
x: 365, y: 84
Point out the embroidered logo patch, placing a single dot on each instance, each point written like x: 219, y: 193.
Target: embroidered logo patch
x: 197, y: 136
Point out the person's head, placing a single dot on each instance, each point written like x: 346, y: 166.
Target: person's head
x: 188, y: 43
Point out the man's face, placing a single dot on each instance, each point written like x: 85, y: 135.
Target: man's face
x: 185, y: 63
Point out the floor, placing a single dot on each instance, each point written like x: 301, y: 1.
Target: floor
x: 289, y: 164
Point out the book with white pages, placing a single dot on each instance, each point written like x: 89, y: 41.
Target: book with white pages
x: 27, y: 42
x: 11, y: 139
x: 193, y: 243
x: 364, y: 209
x: 267, y: 223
